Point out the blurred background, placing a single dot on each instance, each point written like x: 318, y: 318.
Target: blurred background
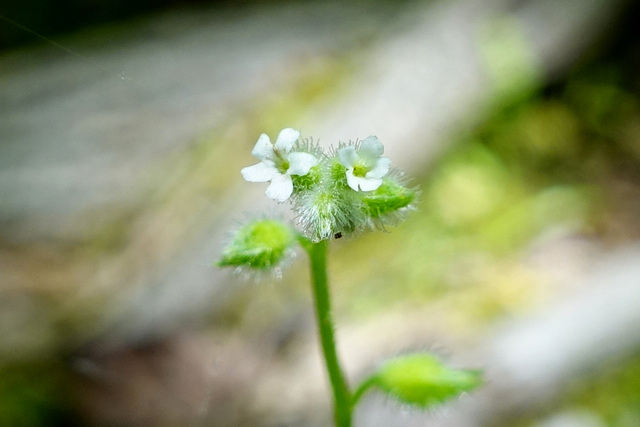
x: 123, y: 128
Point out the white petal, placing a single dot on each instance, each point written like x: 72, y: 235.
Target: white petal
x: 352, y: 180
x: 300, y: 163
x: 371, y: 148
x: 263, y: 148
x: 369, y: 184
x: 348, y: 157
x: 261, y: 172
x: 380, y: 169
x: 280, y: 188
x: 286, y: 139
x: 359, y: 183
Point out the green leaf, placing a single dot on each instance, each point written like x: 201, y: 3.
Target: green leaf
x: 422, y: 380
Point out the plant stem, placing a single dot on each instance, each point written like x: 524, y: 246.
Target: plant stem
x: 362, y: 389
x: 342, y: 400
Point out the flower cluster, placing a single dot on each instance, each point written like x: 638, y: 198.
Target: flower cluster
x: 350, y: 189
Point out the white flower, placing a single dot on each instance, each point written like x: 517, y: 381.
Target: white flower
x: 365, y: 167
x: 278, y: 163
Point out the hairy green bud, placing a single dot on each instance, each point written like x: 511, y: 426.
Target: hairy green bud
x: 389, y: 197
x: 259, y: 245
x: 422, y: 380
x: 326, y: 211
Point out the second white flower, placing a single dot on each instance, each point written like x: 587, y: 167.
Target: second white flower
x: 365, y: 166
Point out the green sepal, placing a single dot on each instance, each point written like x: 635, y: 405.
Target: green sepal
x: 306, y: 182
x: 337, y: 175
x: 421, y: 380
x: 260, y: 245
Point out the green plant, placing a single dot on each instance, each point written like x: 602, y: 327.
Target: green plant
x: 344, y: 192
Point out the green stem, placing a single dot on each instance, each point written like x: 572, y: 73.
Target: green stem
x: 362, y: 389
x: 342, y: 401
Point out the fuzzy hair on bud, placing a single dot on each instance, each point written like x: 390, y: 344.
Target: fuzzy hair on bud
x: 422, y: 380
x: 260, y: 245
x: 324, y: 212
x: 390, y: 203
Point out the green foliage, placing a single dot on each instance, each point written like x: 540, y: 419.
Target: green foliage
x: 422, y: 380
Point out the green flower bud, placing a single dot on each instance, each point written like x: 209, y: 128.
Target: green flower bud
x: 326, y: 211
x: 259, y: 245
x: 422, y: 380
x: 388, y: 204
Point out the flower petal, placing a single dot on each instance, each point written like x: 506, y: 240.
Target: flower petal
x: 263, y: 148
x: 380, y: 169
x: 300, y: 163
x: 353, y: 180
x: 359, y: 183
x: 371, y: 148
x: 261, y: 172
x: 280, y: 188
x: 286, y: 139
x: 348, y: 157
x: 369, y: 184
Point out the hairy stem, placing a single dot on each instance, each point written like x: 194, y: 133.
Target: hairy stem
x: 342, y: 400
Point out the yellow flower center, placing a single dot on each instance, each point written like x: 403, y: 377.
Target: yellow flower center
x: 283, y: 166
x: 360, y: 170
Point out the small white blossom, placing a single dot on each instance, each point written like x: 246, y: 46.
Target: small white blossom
x: 365, y: 166
x: 278, y: 163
